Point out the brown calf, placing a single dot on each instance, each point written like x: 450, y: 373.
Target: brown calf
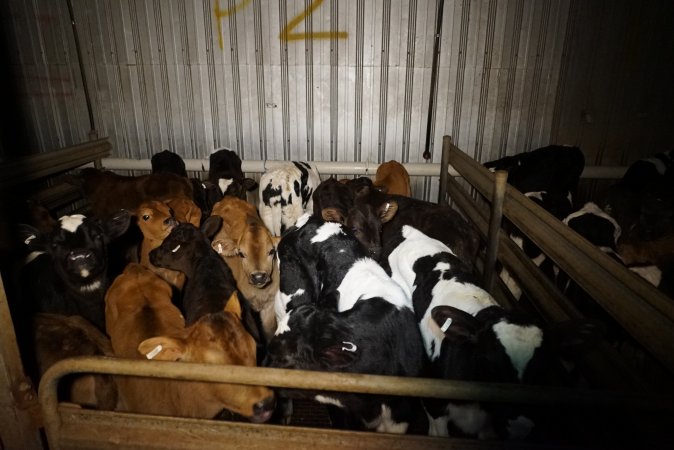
x: 156, y: 222
x: 249, y: 250
x: 392, y: 178
x: 58, y: 337
x: 142, y: 322
x: 108, y: 192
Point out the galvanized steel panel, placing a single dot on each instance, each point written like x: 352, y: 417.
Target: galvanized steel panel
x: 315, y: 80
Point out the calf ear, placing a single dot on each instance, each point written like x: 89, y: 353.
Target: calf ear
x: 211, y: 226
x: 32, y: 237
x: 332, y: 215
x: 249, y: 184
x: 117, y: 224
x: 455, y: 323
x: 339, y: 355
x: 162, y: 348
x: 225, y: 247
x: 387, y: 211
x: 233, y: 305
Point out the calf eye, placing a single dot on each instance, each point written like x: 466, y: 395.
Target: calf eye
x: 272, y: 252
x: 146, y: 217
x: 240, y: 254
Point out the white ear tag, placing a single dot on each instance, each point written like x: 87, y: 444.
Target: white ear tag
x: 155, y: 351
x: 29, y: 238
x: 351, y: 347
x: 446, y: 325
x: 176, y: 249
x: 220, y: 249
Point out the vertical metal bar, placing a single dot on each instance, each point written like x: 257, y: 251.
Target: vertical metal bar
x: 93, y: 134
x: 434, y: 78
x: 444, y: 170
x: 497, y: 196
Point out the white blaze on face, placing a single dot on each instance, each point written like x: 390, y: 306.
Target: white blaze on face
x: 224, y: 183
x: 325, y: 231
x: 71, y: 223
x: 519, y: 342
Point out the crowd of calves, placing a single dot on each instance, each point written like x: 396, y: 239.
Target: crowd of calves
x: 338, y: 275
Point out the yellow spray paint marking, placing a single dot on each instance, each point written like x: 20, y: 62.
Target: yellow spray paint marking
x: 286, y: 34
x: 220, y: 13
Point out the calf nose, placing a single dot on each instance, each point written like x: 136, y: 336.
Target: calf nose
x: 263, y: 410
x: 259, y: 279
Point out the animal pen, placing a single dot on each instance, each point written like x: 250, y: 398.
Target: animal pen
x: 619, y: 387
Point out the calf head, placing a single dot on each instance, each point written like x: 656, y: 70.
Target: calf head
x: 255, y: 249
x: 185, y: 210
x: 365, y: 220
x: 218, y: 338
x: 184, y: 244
x: 168, y: 162
x: 312, y: 338
x: 78, y: 248
x: 332, y: 200
x: 225, y: 172
x: 155, y: 219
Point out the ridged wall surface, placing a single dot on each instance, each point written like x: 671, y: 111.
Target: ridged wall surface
x: 345, y: 80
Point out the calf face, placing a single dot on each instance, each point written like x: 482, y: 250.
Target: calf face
x: 78, y: 252
x: 244, y: 236
x: 155, y: 220
x: 365, y: 220
x: 185, y: 210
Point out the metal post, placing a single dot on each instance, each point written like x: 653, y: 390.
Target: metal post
x: 498, y: 194
x: 444, y: 172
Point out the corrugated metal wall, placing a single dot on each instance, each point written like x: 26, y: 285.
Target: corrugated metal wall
x: 345, y: 80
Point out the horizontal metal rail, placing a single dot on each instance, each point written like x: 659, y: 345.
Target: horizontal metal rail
x: 40, y: 165
x: 337, y: 167
x: 642, y: 310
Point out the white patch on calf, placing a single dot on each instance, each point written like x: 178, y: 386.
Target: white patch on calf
x: 282, y: 325
x: 325, y: 231
x: 92, y: 287
x: 592, y: 208
x: 385, y: 423
x: 536, y: 194
x: 519, y: 342
x: 658, y: 164
x: 438, y: 426
x: 224, y: 183
x: 415, y: 245
x: 520, y: 427
x: 71, y: 223
x: 471, y: 419
x: 31, y: 256
x: 510, y: 283
x: 328, y: 401
x: 652, y: 274
x: 303, y: 219
x: 367, y: 279
x: 464, y: 296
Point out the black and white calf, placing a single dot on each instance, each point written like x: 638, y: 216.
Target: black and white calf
x: 466, y: 335
x: 338, y: 310
x: 225, y: 171
x: 66, y: 271
x: 286, y: 192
